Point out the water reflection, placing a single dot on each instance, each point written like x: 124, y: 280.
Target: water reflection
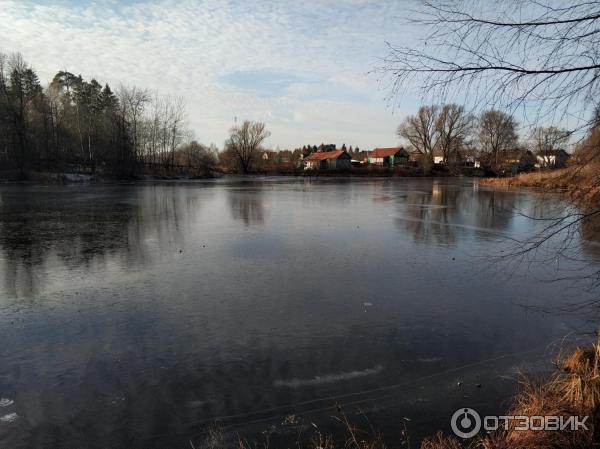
x: 246, y: 204
x: 590, y: 232
x: 83, y: 228
x: 441, y: 214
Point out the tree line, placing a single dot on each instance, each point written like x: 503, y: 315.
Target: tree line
x: 448, y: 130
x: 74, y: 122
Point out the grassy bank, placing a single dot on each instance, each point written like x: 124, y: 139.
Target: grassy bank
x: 580, y: 183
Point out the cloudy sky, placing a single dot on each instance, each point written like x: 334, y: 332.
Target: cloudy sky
x: 303, y: 67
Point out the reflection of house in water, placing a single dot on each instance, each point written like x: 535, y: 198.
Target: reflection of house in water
x: 436, y: 190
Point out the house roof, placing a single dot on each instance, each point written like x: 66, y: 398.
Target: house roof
x: 323, y: 155
x: 515, y: 153
x: 385, y: 152
x: 559, y: 152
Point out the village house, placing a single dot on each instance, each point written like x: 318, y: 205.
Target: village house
x: 360, y: 158
x: 470, y: 157
x: 551, y: 158
x: 511, y: 161
x: 269, y: 155
x: 328, y: 160
x: 388, y: 157
x: 414, y: 156
x: 438, y: 157
x: 524, y: 159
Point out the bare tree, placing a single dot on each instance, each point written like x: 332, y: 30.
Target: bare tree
x: 454, y: 127
x: 420, y: 131
x: 497, y: 132
x: 197, y: 157
x: 505, y: 53
x: 245, y: 142
x: 133, y: 100
x: 154, y: 152
x: 434, y: 128
x: 175, y: 118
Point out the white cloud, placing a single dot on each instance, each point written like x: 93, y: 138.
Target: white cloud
x: 188, y: 48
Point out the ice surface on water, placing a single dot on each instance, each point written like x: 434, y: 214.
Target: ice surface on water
x: 431, y: 359
x: 328, y: 378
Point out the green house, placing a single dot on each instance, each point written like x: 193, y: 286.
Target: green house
x: 388, y: 157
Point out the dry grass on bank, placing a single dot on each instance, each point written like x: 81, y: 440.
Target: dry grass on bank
x: 574, y: 391
x: 580, y: 180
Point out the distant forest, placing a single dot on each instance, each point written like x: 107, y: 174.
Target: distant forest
x: 77, y: 124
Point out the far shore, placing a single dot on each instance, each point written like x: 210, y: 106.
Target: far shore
x: 60, y: 177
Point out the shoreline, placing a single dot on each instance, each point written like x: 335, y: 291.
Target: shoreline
x: 58, y: 178
x: 572, y: 389
x: 578, y: 183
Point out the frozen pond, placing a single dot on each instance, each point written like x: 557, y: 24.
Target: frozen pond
x: 134, y: 316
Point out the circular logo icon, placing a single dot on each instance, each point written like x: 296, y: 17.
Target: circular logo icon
x: 465, y: 423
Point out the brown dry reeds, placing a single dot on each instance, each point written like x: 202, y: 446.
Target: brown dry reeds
x: 580, y: 183
x: 440, y: 441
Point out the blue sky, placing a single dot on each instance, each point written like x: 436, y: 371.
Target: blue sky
x: 302, y: 67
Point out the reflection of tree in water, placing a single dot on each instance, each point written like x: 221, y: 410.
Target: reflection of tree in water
x: 247, y: 206
x: 578, y: 242
x: 439, y: 214
x: 426, y: 214
x: 493, y: 210
x: 590, y: 234
x: 79, y: 228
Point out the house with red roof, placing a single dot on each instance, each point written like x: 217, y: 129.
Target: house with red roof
x: 388, y: 157
x: 328, y: 160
